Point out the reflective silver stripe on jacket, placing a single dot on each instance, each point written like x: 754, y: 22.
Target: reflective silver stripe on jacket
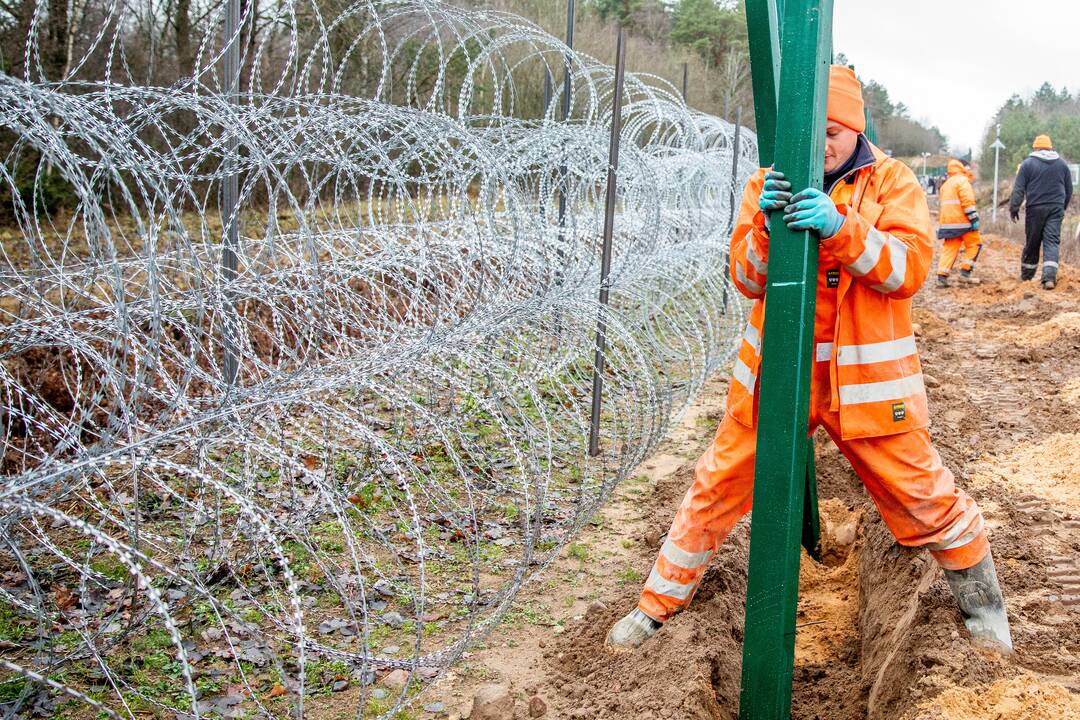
x: 659, y: 585
x: 686, y: 560
x: 954, y: 226
x: 898, y: 255
x: 743, y: 374
x: 1048, y: 263
x: 881, y: 391
x: 823, y: 352
x: 876, y: 352
x: 752, y: 337
x: 750, y: 284
x: 875, y: 241
x: 760, y: 265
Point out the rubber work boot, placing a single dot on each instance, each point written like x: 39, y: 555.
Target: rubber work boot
x: 979, y: 596
x: 1049, y: 284
x: 967, y: 279
x: 630, y: 632
x: 943, y: 281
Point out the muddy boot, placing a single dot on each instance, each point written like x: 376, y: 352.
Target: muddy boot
x: 630, y: 632
x: 979, y: 596
x: 943, y: 281
x: 1049, y: 284
x: 967, y: 279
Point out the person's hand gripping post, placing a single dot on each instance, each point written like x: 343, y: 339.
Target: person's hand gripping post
x: 814, y: 210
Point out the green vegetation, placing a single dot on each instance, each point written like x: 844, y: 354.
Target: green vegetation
x: 11, y: 629
x: 1046, y: 112
x: 578, y: 551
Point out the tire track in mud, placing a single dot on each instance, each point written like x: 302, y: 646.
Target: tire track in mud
x: 1064, y: 570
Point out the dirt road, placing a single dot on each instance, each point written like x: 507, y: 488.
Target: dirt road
x: 879, y: 634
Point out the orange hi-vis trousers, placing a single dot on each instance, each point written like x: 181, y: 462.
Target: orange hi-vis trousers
x: 971, y: 242
x: 915, y: 494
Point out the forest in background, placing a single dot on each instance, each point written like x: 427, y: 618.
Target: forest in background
x: 168, y: 44
x: 1046, y: 112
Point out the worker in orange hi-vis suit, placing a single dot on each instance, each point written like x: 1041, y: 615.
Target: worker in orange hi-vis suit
x: 958, y: 225
x: 866, y: 385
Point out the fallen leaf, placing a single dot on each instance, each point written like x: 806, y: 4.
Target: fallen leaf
x: 64, y: 597
x: 278, y: 691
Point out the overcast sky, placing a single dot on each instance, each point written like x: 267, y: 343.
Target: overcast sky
x: 955, y: 62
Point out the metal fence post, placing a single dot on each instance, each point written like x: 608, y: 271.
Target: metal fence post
x: 547, y: 91
x: 780, y: 474
x: 763, y: 33
x: 685, y: 76
x: 565, y: 114
x: 605, y: 257
x: 230, y: 191
x: 736, y: 146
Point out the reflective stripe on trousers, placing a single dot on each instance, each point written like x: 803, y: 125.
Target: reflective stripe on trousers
x: 967, y: 247
x: 915, y: 494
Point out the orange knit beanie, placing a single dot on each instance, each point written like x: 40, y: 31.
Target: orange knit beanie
x: 845, y: 98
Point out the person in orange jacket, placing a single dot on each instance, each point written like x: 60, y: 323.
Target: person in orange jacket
x: 866, y: 384
x: 958, y: 225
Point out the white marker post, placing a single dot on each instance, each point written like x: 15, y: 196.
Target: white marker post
x: 998, y: 147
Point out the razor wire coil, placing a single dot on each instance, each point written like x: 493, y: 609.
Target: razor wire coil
x: 405, y: 443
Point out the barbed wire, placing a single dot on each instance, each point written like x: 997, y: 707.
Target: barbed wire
x: 405, y: 443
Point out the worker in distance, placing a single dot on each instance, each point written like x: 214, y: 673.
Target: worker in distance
x: 866, y: 386
x: 958, y: 225
x: 1044, y: 186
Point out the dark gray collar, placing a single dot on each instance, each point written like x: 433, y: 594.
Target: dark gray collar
x: 862, y: 157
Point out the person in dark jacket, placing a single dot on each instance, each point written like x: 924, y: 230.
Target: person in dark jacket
x: 1045, y: 181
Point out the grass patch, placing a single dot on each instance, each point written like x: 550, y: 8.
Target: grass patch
x: 578, y: 551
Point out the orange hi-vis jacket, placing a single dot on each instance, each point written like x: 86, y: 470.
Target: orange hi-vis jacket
x: 884, y: 250
x: 958, y: 210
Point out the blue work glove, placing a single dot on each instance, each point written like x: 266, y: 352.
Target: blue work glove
x: 975, y: 225
x: 776, y: 193
x: 812, y: 209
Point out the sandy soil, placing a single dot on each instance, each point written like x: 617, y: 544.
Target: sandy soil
x: 879, y: 635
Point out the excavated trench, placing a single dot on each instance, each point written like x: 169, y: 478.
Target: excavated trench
x: 879, y: 635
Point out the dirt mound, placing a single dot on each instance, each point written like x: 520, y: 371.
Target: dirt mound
x: 913, y: 638
x: 690, y: 669
x: 1047, y: 332
x: 1046, y: 468
x: 1070, y: 391
x: 1024, y: 696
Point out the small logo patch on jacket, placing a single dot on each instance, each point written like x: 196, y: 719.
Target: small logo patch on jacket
x: 832, y: 278
x: 899, y: 412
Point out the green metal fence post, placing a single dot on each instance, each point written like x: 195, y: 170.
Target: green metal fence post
x: 811, y: 530
x: 783, y: 443
x: 763, y: 33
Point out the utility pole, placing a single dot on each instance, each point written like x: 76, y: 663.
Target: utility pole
x: 998, y: 147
